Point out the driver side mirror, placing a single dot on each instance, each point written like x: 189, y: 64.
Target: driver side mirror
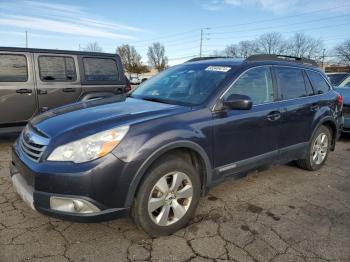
x: 238, y: 102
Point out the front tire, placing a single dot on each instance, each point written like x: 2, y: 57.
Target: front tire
x: 318, y: 150
x: 167, y: 197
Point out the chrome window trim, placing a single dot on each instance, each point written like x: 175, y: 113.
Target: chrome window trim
x: 238, y: 77
x: 282, y: 100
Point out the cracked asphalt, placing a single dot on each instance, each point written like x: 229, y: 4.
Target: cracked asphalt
x: 280, y: 214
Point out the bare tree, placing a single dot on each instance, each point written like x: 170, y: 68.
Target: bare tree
x: 247, y: 48
x: 156, y: 56
x: 343, y: 52
x: 131, y: 59
x: 93, y: 47
x: 301, y: 45
x: 272, y: 43
x: 231, y: 51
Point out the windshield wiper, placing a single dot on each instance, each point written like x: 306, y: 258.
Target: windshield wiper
x: 153, y: 99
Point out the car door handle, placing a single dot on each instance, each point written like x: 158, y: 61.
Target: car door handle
x: 314, y: 107
x: 24, y: 91
x: 68, y: 90
x: 274, y: 115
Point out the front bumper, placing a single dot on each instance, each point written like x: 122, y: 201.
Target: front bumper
x: 97, y: 183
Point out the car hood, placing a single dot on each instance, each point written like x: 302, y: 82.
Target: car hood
x: 345, y: 92
x: 98, y: 115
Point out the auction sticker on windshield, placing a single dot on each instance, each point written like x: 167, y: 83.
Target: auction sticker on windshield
x: 218, y: 68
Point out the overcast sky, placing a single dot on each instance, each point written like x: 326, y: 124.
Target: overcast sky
x: 176, y: 24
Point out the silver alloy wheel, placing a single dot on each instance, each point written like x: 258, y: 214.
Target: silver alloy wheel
x: 170, y: 198
x: 320, y: 149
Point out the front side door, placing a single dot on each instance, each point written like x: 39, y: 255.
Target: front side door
x: 246, y: 138
x: 17, y: 92
x: 58, y: 80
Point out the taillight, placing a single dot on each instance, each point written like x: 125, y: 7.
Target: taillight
x: 339, y: 100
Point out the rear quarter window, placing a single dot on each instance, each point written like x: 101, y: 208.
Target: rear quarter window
x: 13, y: 68
x: 291, y: 82
x: 100, y: 69
x: 319, y: 84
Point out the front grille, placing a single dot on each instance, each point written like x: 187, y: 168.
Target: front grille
x: 33, y: 144
x: 346, y: 110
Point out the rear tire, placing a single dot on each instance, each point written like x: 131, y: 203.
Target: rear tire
x: 167, y: 197
x: 318, y: 150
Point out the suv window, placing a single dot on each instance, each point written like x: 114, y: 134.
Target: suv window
x: 100, y: 69
x: 57, y: 68
x: 187, y: 84
x: 291, y: 82
x: 337, y: 79
x: 13, y: 68
x: 318, y: 82
x: 255, y: 83
x: 346, y: 82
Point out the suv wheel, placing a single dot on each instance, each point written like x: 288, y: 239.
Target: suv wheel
x: 167, y: 197
x: 318, y: 150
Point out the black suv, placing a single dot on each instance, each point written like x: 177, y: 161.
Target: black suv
x: 153, y: 153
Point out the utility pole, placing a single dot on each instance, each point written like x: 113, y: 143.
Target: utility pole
x: 323, y: 55
x: 26, y: 39
x: 201, y: 41
x: 201, y: 44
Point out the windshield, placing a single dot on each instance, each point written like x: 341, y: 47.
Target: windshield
x: 336, y: 79
x: 184, y: 85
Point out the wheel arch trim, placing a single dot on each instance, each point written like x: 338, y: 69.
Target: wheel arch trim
x: 158, y: 153
x: 324, y: 120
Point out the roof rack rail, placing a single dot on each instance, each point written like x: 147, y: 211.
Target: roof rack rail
x: 205, y: 58
x: 286, y: 58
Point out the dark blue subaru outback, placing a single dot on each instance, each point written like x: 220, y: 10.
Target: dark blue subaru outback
x: 153, y: 153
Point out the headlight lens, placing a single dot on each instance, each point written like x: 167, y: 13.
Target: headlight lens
x: 91, y: 147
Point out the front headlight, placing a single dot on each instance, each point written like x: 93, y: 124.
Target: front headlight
x: 91, y: 147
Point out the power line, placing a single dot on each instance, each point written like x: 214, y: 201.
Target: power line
x: 212, y: 37
x: 287, y: 32
x: 282, y: 18
x: 264, y: 28
x: 240, y: 24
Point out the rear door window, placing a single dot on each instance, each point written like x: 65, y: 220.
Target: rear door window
x: 13, y: 68
x: 319, y: 84
x: 57, y: 69
x: 291, y: 82
x: 100, y: 69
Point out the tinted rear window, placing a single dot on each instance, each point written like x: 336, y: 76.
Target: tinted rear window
x: 100, y: 69
x: 318, y: 82
x: 336, y: 79
x: 13, y: 68
x: 291, y: 82
x: 57, y: 69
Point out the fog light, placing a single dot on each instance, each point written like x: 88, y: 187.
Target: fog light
x: 72, y: 205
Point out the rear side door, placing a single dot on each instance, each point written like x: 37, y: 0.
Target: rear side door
x: 17, y: 92
x: 58, y: 80
x: 245, y: 139
x: 298, y: 110
x: 102, y: 76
